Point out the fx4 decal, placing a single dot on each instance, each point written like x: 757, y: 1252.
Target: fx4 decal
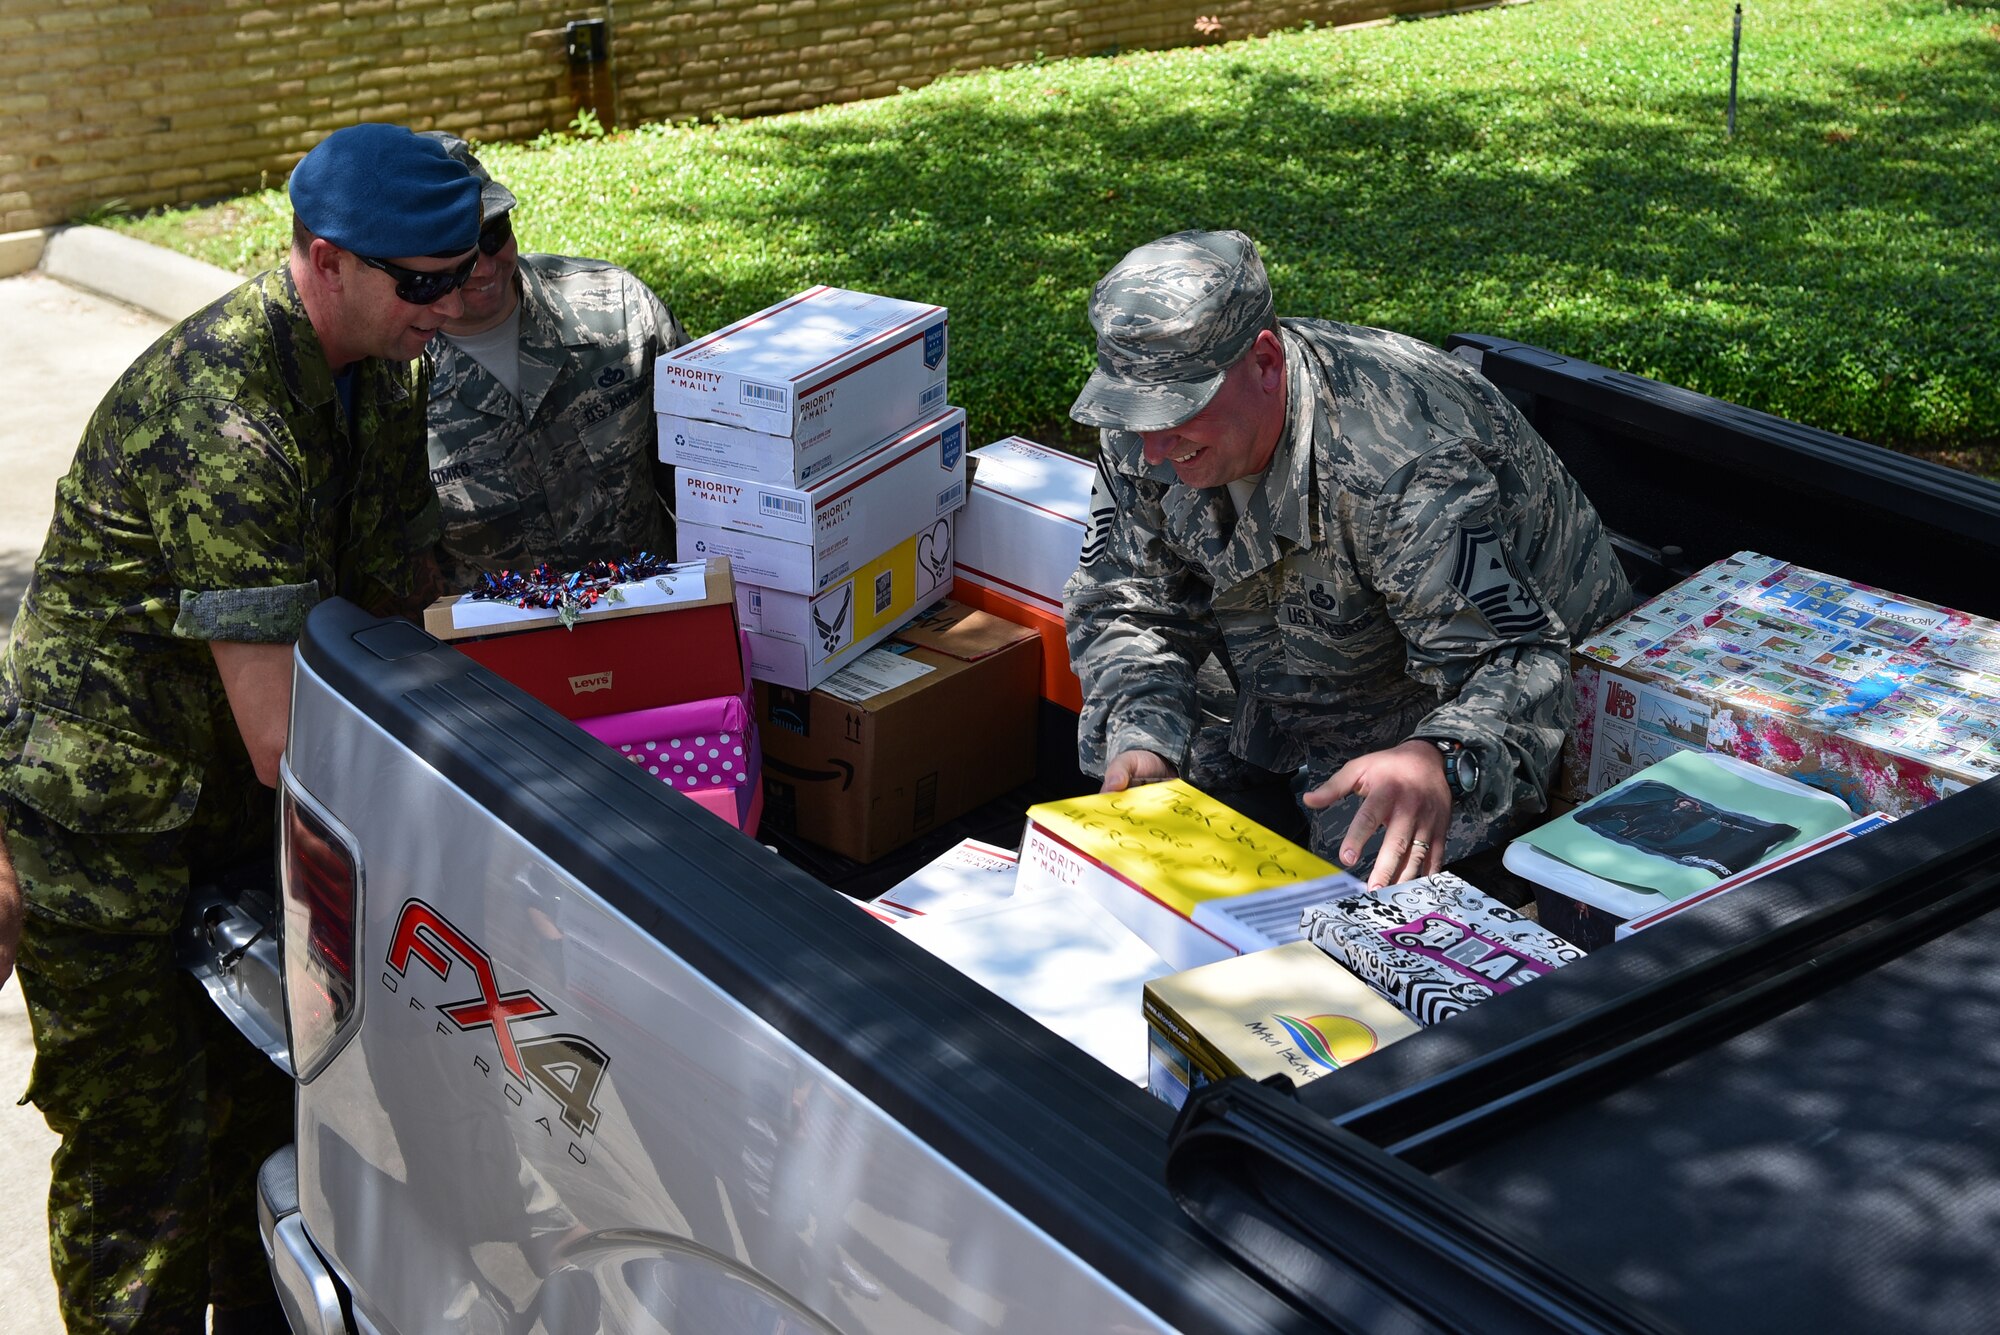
x: 566, y: 1067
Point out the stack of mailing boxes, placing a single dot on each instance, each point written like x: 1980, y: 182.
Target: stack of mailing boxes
x: 813, y: 447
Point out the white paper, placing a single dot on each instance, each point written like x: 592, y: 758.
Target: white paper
x: 1060, y: 958
x: 1266, y: 918
x: 873, y: 673
x: 686, y: 582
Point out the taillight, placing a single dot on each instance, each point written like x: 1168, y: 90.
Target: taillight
x: 322, y: 891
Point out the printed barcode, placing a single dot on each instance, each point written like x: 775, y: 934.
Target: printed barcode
x: 948, y: 498
x: 932, y: 395
x: 765, y: 396
x: 782, y: 507
x: 885, y: 590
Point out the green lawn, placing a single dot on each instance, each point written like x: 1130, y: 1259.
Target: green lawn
x: 1556, y: 172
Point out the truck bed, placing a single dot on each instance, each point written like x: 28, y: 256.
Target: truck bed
x: 843, y: 1132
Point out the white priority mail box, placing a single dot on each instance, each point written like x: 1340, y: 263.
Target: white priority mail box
x: 717, y: 447
x: 802, y: 539
x: 801, y: 639
x: 1026, y: 511
x: 970, y: 873
x: 825, y: 365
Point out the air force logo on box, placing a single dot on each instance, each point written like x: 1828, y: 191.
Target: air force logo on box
x: 1480, y: 572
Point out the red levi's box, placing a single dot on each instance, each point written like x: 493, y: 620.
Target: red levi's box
x: 618, y: 657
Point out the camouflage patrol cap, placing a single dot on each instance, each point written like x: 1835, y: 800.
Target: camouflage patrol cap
x: 1171, y: 318
x: 494, y: 198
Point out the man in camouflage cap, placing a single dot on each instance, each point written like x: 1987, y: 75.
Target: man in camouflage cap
x: 1387, y: 559
x: 265, y: 453
x: 542, y: 435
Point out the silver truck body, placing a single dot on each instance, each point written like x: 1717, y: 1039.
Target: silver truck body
x: 720, y: 1178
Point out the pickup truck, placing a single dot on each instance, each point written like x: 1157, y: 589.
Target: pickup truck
x: 573, y: 1055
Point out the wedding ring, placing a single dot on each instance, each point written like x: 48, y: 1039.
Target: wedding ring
x: 1419, y: 846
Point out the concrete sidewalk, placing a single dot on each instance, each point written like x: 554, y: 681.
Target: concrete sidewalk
x: 60, y: 349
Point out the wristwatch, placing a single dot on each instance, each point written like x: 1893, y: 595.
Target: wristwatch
x: 1461, y: 766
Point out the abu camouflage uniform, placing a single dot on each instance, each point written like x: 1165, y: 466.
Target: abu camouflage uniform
x: 564, y: 474
x: 1413, y: 562
x: 217, y: 494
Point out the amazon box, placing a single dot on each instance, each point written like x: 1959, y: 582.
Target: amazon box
x: 914, y: 734
x: 663, y: 641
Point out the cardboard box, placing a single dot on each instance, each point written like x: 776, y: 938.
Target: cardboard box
x: 1287, y: 1011
x: 1059, y: 683
x: 670, y: 640
x: 1025, y: 518
x: 1153, y: 854
x: 865, y: 771
x: 1436, y: 946
x: 826, y: 368
x: 800, y: 640
x: 1058, y: 957
x: 801, y: 539
x: 1886, y: 702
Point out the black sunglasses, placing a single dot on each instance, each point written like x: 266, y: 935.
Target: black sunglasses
x: 421, y: 287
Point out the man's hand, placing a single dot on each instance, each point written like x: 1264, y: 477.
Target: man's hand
x: 1135, y: 767
x: 1403, y: 794
x: 257, y: 678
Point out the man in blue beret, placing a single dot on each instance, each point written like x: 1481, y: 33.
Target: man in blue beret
x: 265, y: 453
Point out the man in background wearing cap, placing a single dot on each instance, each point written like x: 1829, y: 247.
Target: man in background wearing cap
x: 265, y: 453
x: 1385, y: 556
x: 542, y: 436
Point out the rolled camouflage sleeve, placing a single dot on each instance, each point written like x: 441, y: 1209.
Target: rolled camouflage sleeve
x: 225, y: 501
x: 1138, y: 628
x: 1475, y: 625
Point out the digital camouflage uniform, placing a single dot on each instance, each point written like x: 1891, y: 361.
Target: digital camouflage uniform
x: 1414, y: 562
x: 564, y: 475
x: 216, y: 495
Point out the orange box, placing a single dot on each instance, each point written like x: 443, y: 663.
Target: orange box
x: 1059, y: 684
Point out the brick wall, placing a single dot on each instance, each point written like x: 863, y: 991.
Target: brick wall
x: 184, y: 100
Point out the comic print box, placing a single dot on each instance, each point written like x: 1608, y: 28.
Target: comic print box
x: 799, y: 639
x: 1887, y: 702
x: 801, y: 539
x: 828, y: 370
x: 1435, y: 946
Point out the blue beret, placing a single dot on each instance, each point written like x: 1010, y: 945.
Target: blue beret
x: 383, y: 191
